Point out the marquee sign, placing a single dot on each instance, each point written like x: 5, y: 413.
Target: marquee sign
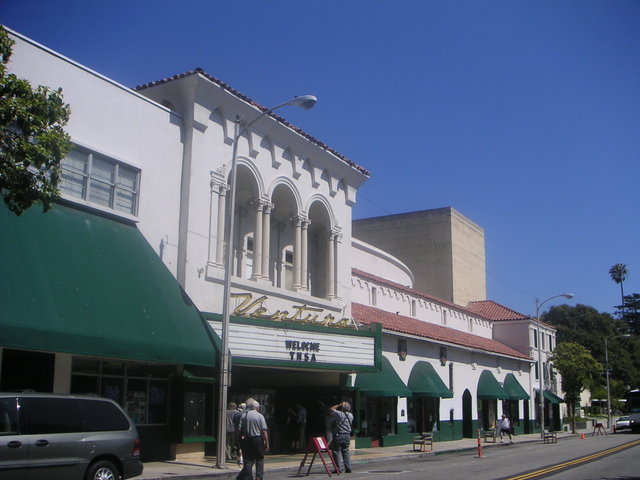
x: 256, y: 308
x: 255, y: 343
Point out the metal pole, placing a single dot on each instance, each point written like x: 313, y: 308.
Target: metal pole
x: 539, y: 338
x: 606, y: 366
x: 305, y: 102
x: 541, y: 383
x: 224, y: 338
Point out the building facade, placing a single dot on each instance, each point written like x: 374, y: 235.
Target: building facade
x: 122, y: 284
x: 153, y: 164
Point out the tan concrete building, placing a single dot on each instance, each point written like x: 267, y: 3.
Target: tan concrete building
x: 443, y: 248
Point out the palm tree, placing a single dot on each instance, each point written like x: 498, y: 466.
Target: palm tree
x: 618, y: 274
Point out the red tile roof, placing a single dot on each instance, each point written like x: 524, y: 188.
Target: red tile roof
x: 499, y: 313
x: 494, y: 311
x: 260, y: 107
x: 399, y: 323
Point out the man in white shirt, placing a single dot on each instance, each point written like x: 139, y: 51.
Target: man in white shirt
x: 254, y: 441
x: 504, y: 426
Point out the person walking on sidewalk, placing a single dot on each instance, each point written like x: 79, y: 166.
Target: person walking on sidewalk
x: 232, y: 411
x: 236, y: 434
x: 254, y: 441
x: 504, y: 426
x: 343, y: 419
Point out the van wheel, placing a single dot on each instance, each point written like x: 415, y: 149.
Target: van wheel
x: 102, y: 470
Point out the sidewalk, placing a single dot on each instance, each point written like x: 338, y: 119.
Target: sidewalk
x: 202, y: 467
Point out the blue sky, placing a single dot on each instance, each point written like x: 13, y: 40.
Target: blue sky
x: 522, y: 115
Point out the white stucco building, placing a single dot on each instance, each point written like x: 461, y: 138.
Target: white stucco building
x: 119, y: 290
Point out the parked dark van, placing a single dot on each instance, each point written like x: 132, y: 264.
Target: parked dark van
x: 66, y: 437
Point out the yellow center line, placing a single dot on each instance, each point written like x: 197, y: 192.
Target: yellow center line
x: 577, y: 461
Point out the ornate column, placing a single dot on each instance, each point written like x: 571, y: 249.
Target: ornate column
x: 304, y: 275
x: 331, y: 266
x: 257, y: 242
x: 332, y: 271
x: 297, y: 247
x: 266, y: 238
x: 219, y: 187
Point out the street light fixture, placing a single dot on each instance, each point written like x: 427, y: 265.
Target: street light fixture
x: 606, y: 363
x: 305, y: 102
x: 540, y: 375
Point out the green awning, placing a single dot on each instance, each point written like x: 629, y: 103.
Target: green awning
x: 552, y: 397
x: 490, y: 388
x: 385, y: 383
x: 425, y: 382
x: 514, y: 389
x: 80, y: 283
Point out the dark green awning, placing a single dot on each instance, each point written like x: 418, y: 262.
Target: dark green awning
x: 552, y: 397
x: 490, y: 388
x: 385, y: 383
x: 514, y: 389
x: 80, y: 283
x: 424, y: 381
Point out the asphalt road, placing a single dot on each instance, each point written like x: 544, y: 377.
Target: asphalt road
x: 603, y: 457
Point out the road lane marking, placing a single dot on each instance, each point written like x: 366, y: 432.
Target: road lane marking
x: 573, y: 463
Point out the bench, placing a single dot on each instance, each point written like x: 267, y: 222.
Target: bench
x: 490, y: 435
x: 422, y: 441
x: 550, y: 437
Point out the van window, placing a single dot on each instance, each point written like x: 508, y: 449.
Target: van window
x: 8, y: 416
x: 51, y: 415
x: 102, y: 416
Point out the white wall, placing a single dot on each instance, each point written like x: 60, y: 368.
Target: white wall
x: 467, y: 367
x: 115, y: 121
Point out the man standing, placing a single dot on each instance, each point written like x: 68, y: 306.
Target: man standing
x: 236, y: 434
x: 504, y: 426
x: 231, y: 444
x: 301, y: 422
x: 254, y: 441
x: 343, y: 420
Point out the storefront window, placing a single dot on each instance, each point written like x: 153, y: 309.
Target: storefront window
x: 158, y: 402
x: 141, y: 389
x: 379, y: 417
x: 113, y: 368
x: 198, y: 410
x: 136, y: 403
x: 84, y: 384
x: 423, y: 414
x: 113, y: 388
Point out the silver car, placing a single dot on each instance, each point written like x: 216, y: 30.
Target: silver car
x: 64, y: 437
x: 623, y: 423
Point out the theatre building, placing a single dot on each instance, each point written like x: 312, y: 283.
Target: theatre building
x: 118, y: 290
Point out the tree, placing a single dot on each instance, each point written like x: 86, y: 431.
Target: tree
x: 32, y: 139
x: 578, y: 369
x: 586, y: 326
x: 629, y: 312
x: 618, y: 274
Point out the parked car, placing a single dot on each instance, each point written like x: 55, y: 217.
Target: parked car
x: 623, y: 423
x: 66, y: 437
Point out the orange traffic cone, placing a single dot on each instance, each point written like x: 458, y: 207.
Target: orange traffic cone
x: 582, y: 436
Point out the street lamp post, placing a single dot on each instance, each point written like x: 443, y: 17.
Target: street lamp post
x: 306, y: 102
x: 539, y: 339
x: 606, y: 366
